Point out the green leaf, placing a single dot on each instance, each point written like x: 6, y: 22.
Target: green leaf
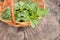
x: 34, y: 22
x: 25, y: 15
x: 6, y: 13
x: 21, y: 3
x: 32, y: 7
x: 42, y: 12
x: 16, y: 6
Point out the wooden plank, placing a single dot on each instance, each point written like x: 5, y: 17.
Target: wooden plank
x: 47, y: 29
x: 10, y: 33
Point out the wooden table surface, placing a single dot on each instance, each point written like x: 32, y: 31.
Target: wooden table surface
x: 47, y: 29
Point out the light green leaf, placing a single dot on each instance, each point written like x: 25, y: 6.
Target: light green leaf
x: 21, y: 3
x: 16, y: 6
x: 32, y: 24
x: 42, y: 12
x: 6, y: 14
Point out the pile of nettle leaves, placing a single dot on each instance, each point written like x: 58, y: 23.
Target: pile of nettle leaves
x: 25, y: 12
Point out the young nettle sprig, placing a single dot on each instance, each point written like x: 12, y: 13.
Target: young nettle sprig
x: 26, y: 12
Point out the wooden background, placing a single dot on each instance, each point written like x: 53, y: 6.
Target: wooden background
x: 47, y: 29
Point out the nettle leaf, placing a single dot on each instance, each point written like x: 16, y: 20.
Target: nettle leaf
x: 6, y: 14
x: 16, y: 6
x: 42, y: 12
x: 7, y: 11
x: 22, y: 15
x: 32, y: 7
x: 34, y: 22
x: 25, y: 15
x: 21, y: 4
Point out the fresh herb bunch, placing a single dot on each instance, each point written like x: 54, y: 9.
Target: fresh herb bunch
x: 25, y: 12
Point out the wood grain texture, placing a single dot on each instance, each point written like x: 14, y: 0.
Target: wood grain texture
x: 47, y: 29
